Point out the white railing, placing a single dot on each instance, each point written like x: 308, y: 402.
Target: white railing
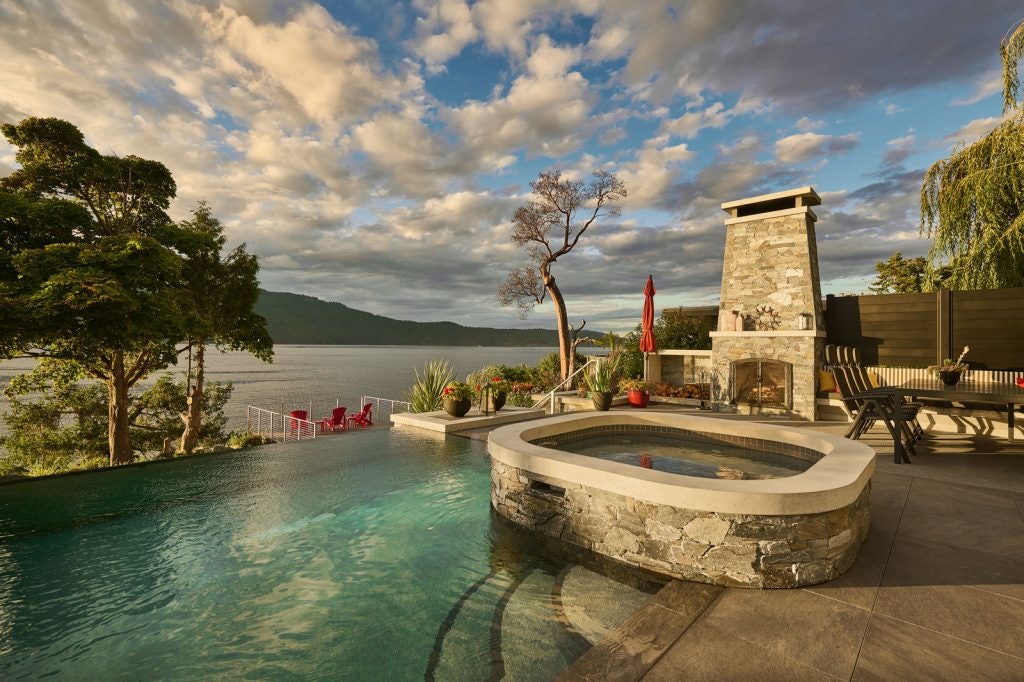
x: 277, y: 426
x: 383, y: 407
x: 550, y: 395
x: 894, y: 376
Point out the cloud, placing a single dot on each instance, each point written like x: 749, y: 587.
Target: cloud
x: 988, y: 84
x: 443, y: 30
x: 974, y: 130
x: 898, y: 149
x: 805, y: 146
x: 798, y: 56
x: 806, y: 125
x: 546, y: 111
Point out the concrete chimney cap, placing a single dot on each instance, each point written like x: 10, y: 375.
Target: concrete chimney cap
x: 800, y: 196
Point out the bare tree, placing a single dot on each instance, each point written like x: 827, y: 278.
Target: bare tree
x: 548, y: 229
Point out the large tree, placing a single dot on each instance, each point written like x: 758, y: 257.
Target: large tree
x: 548, y: 228
x: 222, y: 290
x: 972, y: 203
x: 101, y: 286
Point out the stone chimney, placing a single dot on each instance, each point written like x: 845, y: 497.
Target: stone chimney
x: 768, y: 344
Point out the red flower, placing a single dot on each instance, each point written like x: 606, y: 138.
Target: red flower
x: 496, y: 379
x: 478, y: 387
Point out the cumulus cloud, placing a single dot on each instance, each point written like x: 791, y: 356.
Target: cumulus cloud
x: 797, y: 55
x: 805, y: 146
x: 988, y: 84
x: 444, y: 28
x: 974, y: 130
x: 898, y: 149
x: 350, y: 161
x: 545, y: 111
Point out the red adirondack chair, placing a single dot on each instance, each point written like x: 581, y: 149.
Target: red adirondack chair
x: 335, y: 421
x: 364, y: 418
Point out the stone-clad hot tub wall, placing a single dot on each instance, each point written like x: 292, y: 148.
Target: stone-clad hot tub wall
x: 788, y: 532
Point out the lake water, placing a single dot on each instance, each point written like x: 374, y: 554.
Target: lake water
x: 316, y: 378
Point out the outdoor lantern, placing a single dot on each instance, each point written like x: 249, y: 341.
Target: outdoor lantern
x: 805, y: 321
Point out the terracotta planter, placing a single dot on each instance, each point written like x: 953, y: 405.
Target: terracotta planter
x: 603, y: 401
x: 638, y: 398
x: 457, y: 408
x: 950, y: 377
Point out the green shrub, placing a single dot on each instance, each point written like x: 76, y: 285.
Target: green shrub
x: 238, y: 440
x: 519, y: 400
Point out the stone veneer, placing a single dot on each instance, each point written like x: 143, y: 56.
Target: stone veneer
x: 787, y: 532
x: 739, y: 550
x: 771, y: 259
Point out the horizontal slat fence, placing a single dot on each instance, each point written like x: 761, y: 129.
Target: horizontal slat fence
x: 917, y: 330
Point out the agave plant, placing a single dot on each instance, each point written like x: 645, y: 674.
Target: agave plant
x: 425, y: 394
x: 601, y: 380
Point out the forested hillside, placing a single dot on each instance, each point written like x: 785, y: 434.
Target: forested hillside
x: 293, y: 318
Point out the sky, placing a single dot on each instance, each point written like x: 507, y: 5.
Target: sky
x: 373, y: 153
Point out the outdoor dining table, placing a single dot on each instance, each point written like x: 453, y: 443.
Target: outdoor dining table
x: 966, y: 391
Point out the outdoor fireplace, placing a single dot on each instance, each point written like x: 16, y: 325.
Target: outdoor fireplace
x: 769, y: 340
x: 760, y: 383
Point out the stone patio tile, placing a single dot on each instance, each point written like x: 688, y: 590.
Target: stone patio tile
x: 926, y: 588
x: 998, y: 533
x: 889, y: 490
x: 816, y: 631
x: 936, y: 497
x: 686, y: 598
x: 707, y: 653
x: 895, y: 650
x: 917, y: 562
x: 632, y: 648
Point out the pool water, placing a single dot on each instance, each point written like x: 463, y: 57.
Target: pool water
x: 678, y: 455
x: 369, y: 555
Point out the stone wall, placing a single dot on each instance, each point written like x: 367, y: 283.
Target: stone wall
x: 722, y: 549
x: 772, y: 262
x: 803, y: 352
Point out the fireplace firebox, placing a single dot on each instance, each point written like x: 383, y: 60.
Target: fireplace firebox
x: 762, y: 383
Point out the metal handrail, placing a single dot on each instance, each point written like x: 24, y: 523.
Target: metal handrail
x: 263, y: 423
x: 378, y: 403
x: 550, y: 395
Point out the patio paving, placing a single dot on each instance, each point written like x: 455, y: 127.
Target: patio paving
x: 937, y: 591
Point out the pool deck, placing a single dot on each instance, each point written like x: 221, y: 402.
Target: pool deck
x: 936, y: 593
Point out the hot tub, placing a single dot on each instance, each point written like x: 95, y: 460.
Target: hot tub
x: 786, y: 531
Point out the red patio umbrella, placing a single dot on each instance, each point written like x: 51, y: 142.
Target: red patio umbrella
x: 647, y: 342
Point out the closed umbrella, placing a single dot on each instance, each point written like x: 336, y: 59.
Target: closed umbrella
x: 647, y: 342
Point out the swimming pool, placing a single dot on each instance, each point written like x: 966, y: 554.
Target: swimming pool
x: 371, y: 555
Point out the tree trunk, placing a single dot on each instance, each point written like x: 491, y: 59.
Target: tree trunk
x: 564, y: 340
x: 117, y: 412
x: 193, y: 418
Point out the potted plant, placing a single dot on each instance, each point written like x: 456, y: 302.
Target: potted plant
x: 637, y: 390
x: 457, y: 398
x: 600, y: 384
x: 950, y: 372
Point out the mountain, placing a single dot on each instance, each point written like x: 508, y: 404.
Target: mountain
x: 293, y: 318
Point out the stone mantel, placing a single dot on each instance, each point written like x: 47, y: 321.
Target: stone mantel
x: 767, y: 334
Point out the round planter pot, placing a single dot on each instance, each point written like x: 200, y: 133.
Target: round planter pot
x: 603, y: 401
x: 457, y: 408
x: 638, y: 398
x: 950, y: 378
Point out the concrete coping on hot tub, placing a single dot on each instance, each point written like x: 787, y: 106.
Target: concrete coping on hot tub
x: 833, y: 482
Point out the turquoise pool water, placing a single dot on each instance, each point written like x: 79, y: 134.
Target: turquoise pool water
x: 371, y: 555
